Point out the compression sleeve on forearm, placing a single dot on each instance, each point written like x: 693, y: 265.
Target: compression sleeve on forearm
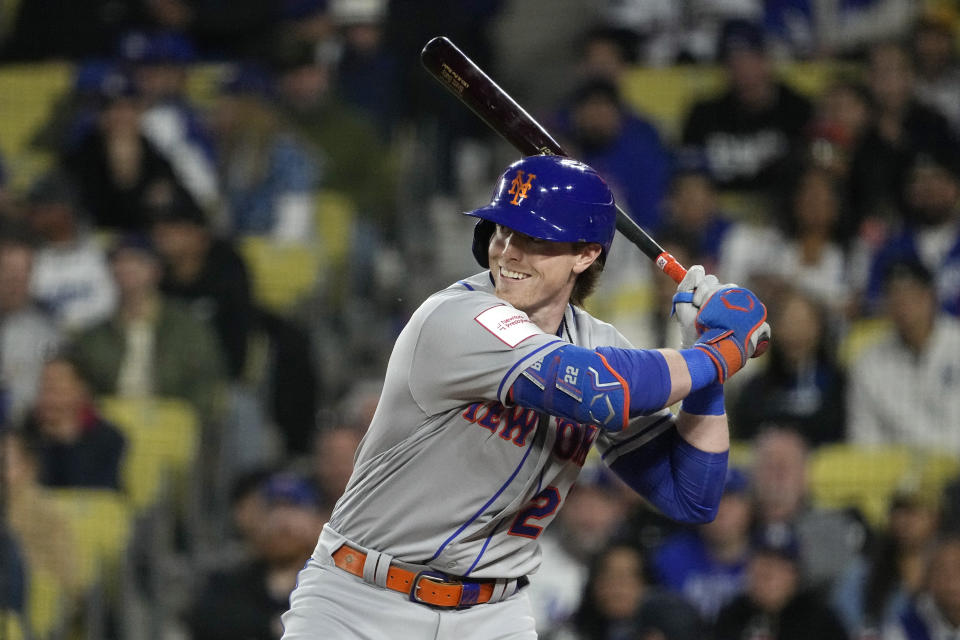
x: 605, y: 387
x: 683, y: 482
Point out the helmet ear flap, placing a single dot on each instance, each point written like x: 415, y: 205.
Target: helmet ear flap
x: 482, y: 232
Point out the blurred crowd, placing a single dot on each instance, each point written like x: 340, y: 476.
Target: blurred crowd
x: 196, y: 135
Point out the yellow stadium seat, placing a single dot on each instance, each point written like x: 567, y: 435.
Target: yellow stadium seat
x: 845, y: 475
x: 863, y: 333
x: 162, y: 436
x: 29, y: 92
x: 46, y: 604
x: 281, y: 273
x: 101, y: 522
x: 333, y: 220
x: 11, y: 625
x: 741, y: 454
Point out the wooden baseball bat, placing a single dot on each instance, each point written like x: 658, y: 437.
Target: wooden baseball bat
x: 474, y: 88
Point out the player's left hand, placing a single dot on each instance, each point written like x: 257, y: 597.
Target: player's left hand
x: 733, y: 327
x: 692, y: 292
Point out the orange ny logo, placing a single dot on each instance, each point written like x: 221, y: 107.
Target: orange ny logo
x: 519, y: 188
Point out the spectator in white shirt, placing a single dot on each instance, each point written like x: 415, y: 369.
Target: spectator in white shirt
x: 70, y: 277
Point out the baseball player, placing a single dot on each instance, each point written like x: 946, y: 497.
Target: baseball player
x: 494, y: 393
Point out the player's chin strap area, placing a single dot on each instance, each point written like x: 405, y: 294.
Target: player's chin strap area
x: 422, y: 584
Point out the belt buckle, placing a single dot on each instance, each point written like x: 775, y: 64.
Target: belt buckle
x: 433, y: 576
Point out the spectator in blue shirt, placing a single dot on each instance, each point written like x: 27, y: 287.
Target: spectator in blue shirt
x: 625, y: 149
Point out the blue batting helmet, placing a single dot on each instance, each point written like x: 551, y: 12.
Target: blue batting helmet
x: 551, y: 198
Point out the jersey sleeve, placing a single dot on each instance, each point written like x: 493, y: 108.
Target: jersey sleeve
x: 470, y: 347
x: 640, y: 431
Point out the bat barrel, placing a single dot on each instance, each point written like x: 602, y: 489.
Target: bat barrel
x: 474, y: 88
x: 485, y: 98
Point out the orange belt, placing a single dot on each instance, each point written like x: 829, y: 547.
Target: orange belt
x: 427, y: 587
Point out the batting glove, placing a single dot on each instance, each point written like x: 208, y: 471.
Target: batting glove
x: 732, y: 326
x: 694, y: 290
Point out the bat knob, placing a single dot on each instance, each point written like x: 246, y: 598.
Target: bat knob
x: 763, y: 341
x: 761, y: 348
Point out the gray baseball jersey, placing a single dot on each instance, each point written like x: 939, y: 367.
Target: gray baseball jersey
x: 450, y: 474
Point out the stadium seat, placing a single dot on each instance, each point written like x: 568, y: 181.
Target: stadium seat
x: 29, y: 92
x: 741, y: 454
x: 101, y: 521
x: 11, y: 625
x: 862, y: 334
x: 333, y: 225
x: 46, y: 605
x: 846, y: 475
x: 281, y: 274
x: 163, y: 436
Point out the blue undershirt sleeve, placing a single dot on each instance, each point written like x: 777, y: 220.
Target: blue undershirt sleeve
x: 683, y: 482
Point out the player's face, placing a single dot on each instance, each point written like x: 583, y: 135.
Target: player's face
x: 534, y: 275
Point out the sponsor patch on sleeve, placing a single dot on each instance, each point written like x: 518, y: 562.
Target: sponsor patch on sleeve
x: 509, y: 325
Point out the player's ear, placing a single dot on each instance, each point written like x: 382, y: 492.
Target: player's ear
x: 587, y: 254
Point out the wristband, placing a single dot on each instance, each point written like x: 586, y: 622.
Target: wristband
x: 702, y: 369
x: 707, y: 401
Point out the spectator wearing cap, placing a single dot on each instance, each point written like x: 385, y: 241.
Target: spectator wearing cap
x: 707, y: 564
x: 27, y: 333
x: 247, y: 601
x: 74, y: 114
x: 205, y: 273
x: 930, y: 234
x: 749, y: 130
x: 356, y: 162
x: 876, y: 589
x: 624, y: 147
x: 70, y: 275
x: 151, y: 345
x: 116, y: 167
x: 269, y: 172
x: 159, y: 62
x: 905, y: 388
x: 775, y: 604
x: 367, y: 70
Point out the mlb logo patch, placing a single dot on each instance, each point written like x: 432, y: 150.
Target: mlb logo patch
x: 509, y: 325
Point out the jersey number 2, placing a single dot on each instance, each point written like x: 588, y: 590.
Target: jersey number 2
x: 542, y: 505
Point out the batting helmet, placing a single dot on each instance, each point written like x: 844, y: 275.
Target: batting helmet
x: 551, y: 198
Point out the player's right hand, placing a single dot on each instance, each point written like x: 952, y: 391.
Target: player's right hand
x: 732, y: 324
x: 692, y: 292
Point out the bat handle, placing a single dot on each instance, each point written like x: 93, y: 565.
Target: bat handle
x: 669, y: 265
